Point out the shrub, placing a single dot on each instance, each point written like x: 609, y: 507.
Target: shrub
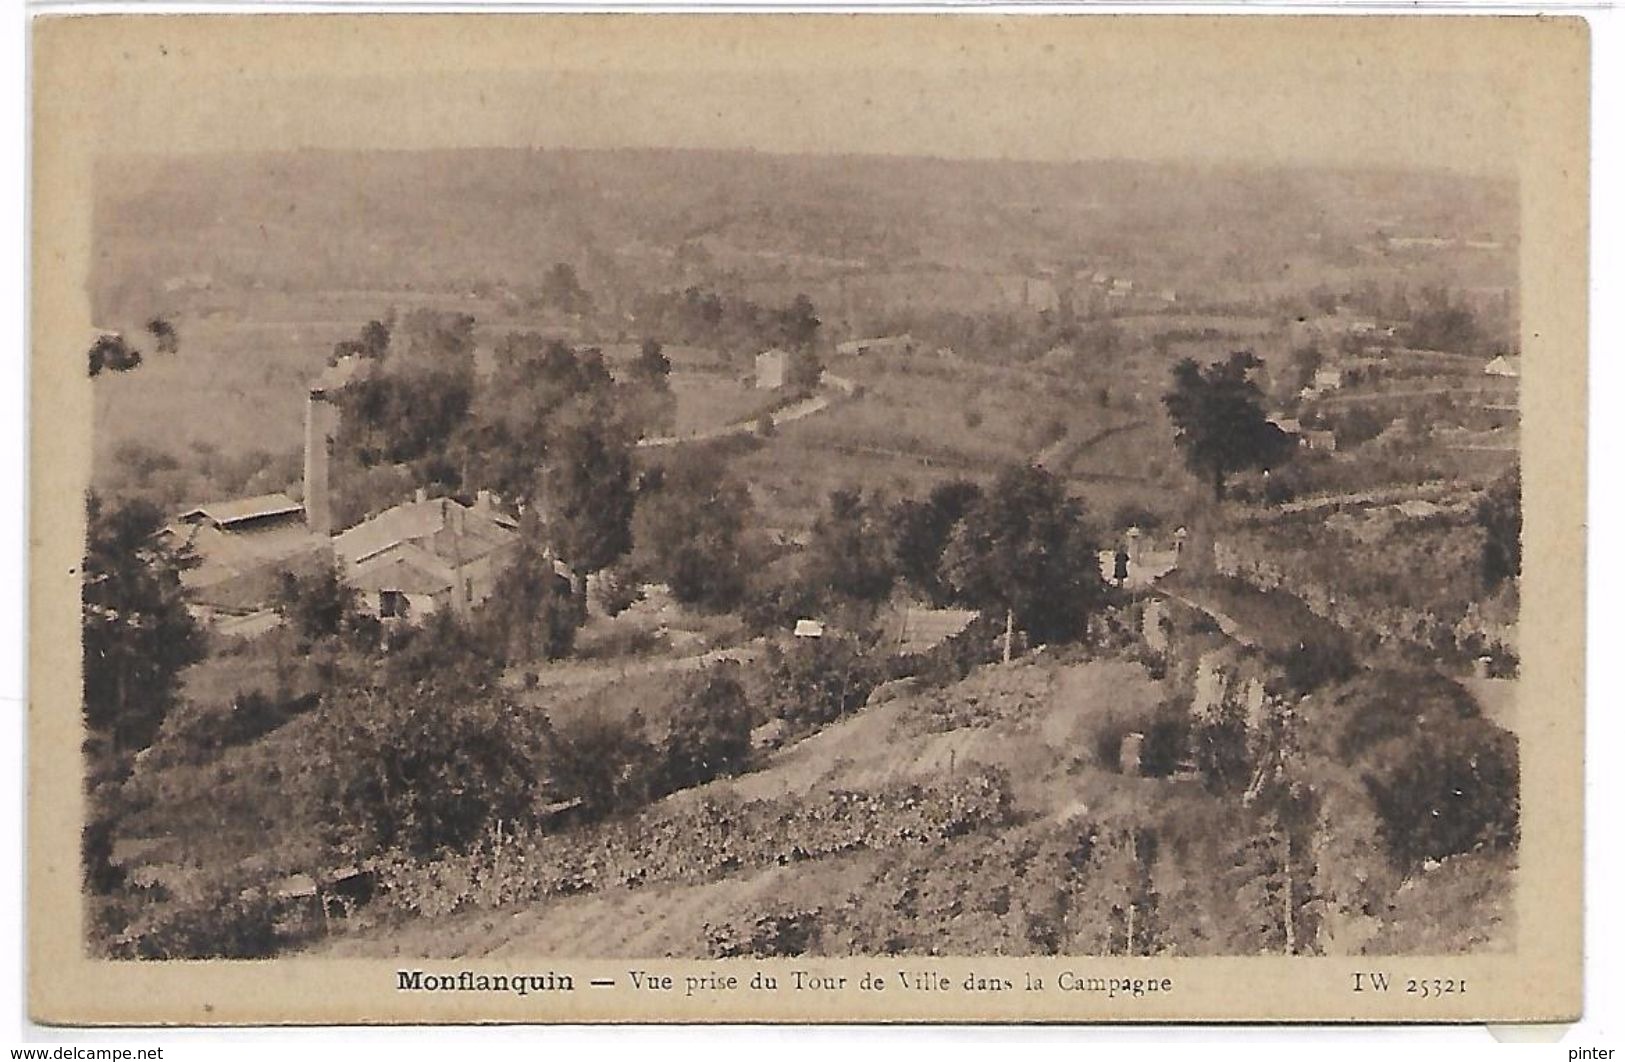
x: 616, y: 589
x: 1453, y: 790
x: 1219, y: 746
x: 778, y: 935
x: 708, y: 732
x: 605, y: 763
x: 815, y: 681
x: 420, y: 766
x: 1317, y: 662
x: 219, y: 921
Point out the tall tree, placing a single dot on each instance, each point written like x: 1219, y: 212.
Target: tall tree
x: 1024, y: 549
x: 651, y: 406
x: 138, y: 634
x: 532, y: 614
x: 921, y: 530
x: 691, y: 519
x: 1219, y: 420
x: 848, y: 558
x: 551, y: 431
x: 588, y: 489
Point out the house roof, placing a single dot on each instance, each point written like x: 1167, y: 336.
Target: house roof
x: 403, y: 570
x: 432, y: 525
x: 239, y: 510
x: 237, y: 568
x: 921, y: 629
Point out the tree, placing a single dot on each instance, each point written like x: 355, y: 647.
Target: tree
x: 1500, y: 514
x: 1025, y: 550
x: 318, y: 605
x: 848, y: 558
x: 1452, y: 789
x: 1219, y: 420
x: 816, y: 681
x: 1358, y: 426
x: 804, y: 371
x: 651, y: 406
x: 419, y: 765
x: 708, y: 732
x: 798, y: 323
x: 652, y: 365
x: 691, y: 519
x: 920, y: 530
x: 138, y: 634
x: 1444, y: 324
x: 532, y: 613
x: 589, y: 497
x: 430, y: 341
x: 604, y: 762
x: 550, y: 432
x: 562, y: 290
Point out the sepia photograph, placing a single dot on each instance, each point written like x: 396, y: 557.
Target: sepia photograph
x: 721, y: 511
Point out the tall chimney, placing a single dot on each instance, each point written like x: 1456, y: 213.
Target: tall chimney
x: 321, y: 429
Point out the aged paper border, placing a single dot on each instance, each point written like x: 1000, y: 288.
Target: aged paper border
x: 1541, y: 68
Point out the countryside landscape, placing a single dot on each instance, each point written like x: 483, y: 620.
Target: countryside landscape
x: 519, y: 552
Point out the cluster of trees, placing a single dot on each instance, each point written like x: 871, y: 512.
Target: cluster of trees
x: 1445, y: 322
x: 728, y: 322
x: 1021, y: 548
x: 409, y: 412
x: 691, y: 527
x: 551, y: 431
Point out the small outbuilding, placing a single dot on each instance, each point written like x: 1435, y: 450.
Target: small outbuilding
x: 772, y: 369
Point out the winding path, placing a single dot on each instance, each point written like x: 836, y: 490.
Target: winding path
x: 788, y: 414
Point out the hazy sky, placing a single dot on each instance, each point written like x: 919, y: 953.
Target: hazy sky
x: 1379, y: 92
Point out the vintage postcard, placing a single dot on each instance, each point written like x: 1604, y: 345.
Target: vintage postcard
x: 779, y: 518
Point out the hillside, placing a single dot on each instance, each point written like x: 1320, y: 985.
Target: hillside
x: 872, y: 826
x: 448, y: 221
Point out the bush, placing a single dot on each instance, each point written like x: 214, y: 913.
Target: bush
x: 1317, y: 662
x: 708, y: 732
x: 616, y: 589
x: 816, y: 681
x: 771, y: 936
x: 419, y: 766
x: 1219, y: 746
x: 1454, y: 790
x: 607, y: 764
x: 219, y: 921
